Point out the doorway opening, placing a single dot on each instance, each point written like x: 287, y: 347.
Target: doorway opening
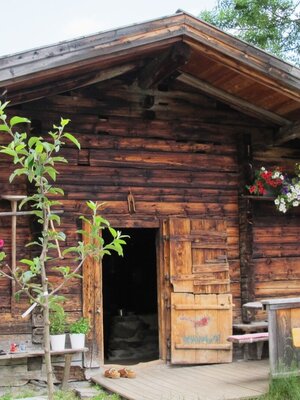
x: 130, y: 303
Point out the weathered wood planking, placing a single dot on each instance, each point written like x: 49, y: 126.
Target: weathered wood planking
x: 92, y: 307
x: 283, y: 316
x: 176, y: 153
x: 200, y: 327
x: 275, y: 259
x: 198, y: 256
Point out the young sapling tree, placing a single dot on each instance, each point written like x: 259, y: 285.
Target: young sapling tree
x: 36, y: 158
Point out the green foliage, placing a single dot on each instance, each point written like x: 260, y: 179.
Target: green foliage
x: 23, y: 394
x: 272, y: 25
x: 80, y: 326
x: 57, y: 319
x: 283, y: 389
x: 6, y: 396
x: 59, y: 395
x: 35, y: 158
x: 105, y: 396
x: 65, y: 395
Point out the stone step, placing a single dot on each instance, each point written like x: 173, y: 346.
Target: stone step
x: 86, y: 393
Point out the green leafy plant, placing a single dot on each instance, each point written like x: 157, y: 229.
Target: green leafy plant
x: 36, y: 157
x: 57, y: 320
x: 80, y: 326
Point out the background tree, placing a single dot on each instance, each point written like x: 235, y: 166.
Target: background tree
x: 272, y: 25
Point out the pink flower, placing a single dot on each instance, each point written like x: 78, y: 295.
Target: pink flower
x: 1, y: 243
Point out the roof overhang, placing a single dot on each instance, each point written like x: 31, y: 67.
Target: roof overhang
x: 263, y: 85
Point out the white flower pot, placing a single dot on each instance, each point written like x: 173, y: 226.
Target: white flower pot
x: 58, y: 342
x: 77, y: 340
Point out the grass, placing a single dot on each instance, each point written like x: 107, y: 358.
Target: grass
x: 21, y: 395
x: 283, y: 389
x: 59, y: 395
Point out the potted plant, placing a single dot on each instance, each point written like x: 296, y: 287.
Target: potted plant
x: 57, y: 329
x: 78, y: 330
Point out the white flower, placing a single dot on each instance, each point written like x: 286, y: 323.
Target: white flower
x: 281, y: 177
x: 296, y: 203
x: 276, y: 174
x: 282, y: 208
x: 263, y: 169
x: 277, y: 202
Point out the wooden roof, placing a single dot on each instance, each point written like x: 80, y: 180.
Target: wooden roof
x: 179, y: 47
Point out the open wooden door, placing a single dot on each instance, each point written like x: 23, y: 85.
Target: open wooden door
x: 201, y: 305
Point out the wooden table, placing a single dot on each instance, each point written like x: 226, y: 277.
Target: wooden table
x: 67, y: 353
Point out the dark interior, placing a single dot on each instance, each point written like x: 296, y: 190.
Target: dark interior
x: 130, y: 299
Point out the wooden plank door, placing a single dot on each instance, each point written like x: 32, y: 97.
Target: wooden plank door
x: 201, y: 303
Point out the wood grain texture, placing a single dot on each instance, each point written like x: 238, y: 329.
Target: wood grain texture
x: 92, y: 308
x: 200, y: 327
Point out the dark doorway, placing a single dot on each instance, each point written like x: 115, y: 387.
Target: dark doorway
x: 130, y: 300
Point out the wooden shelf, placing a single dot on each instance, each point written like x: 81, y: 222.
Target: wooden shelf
x: 257, y: 198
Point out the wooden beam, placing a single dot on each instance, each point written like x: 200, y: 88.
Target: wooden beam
x: 92, y: 307
x: 36, y: 92
x: 235, y: 102
x: 287, y: 133
x: 161, y: 67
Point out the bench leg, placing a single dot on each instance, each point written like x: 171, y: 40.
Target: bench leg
x: 259, y: 349
x: 246, y: 352
x: 68, y: 359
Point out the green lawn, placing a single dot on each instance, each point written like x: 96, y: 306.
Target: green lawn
x: 283, y: 389
x: 59, y: 395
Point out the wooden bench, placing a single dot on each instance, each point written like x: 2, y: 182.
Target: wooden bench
x: 252, y: 327
x: 67, y: 353
x: 247, y: 338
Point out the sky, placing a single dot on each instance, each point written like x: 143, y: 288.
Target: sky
x: 26, y: 24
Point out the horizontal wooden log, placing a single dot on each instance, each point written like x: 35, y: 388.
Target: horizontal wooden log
x: 277, y: 288
x: 192, y: 162
x: 99, y: 141
x: 183, y: 129
x: 114, y: 176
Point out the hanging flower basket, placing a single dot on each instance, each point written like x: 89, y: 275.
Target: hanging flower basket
x: 267, y: 182
x: 289, y: 196
x: 277, y: 184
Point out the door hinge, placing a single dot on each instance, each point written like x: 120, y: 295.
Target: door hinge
x: 168, y: 349
x: 168, y: 342
x: 167, y: 303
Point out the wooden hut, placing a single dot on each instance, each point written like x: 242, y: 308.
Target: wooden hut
x: 173, y: 116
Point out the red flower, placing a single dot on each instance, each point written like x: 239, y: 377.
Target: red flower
x: 267, y: 181
x: 1, y: 243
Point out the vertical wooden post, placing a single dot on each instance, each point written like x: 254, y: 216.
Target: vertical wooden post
x: 165, y: 293
x: 245, y: 226
x: 93, y: 309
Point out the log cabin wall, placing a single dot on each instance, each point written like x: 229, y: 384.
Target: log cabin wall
x: 275, y: 262
x: 175, y: 151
